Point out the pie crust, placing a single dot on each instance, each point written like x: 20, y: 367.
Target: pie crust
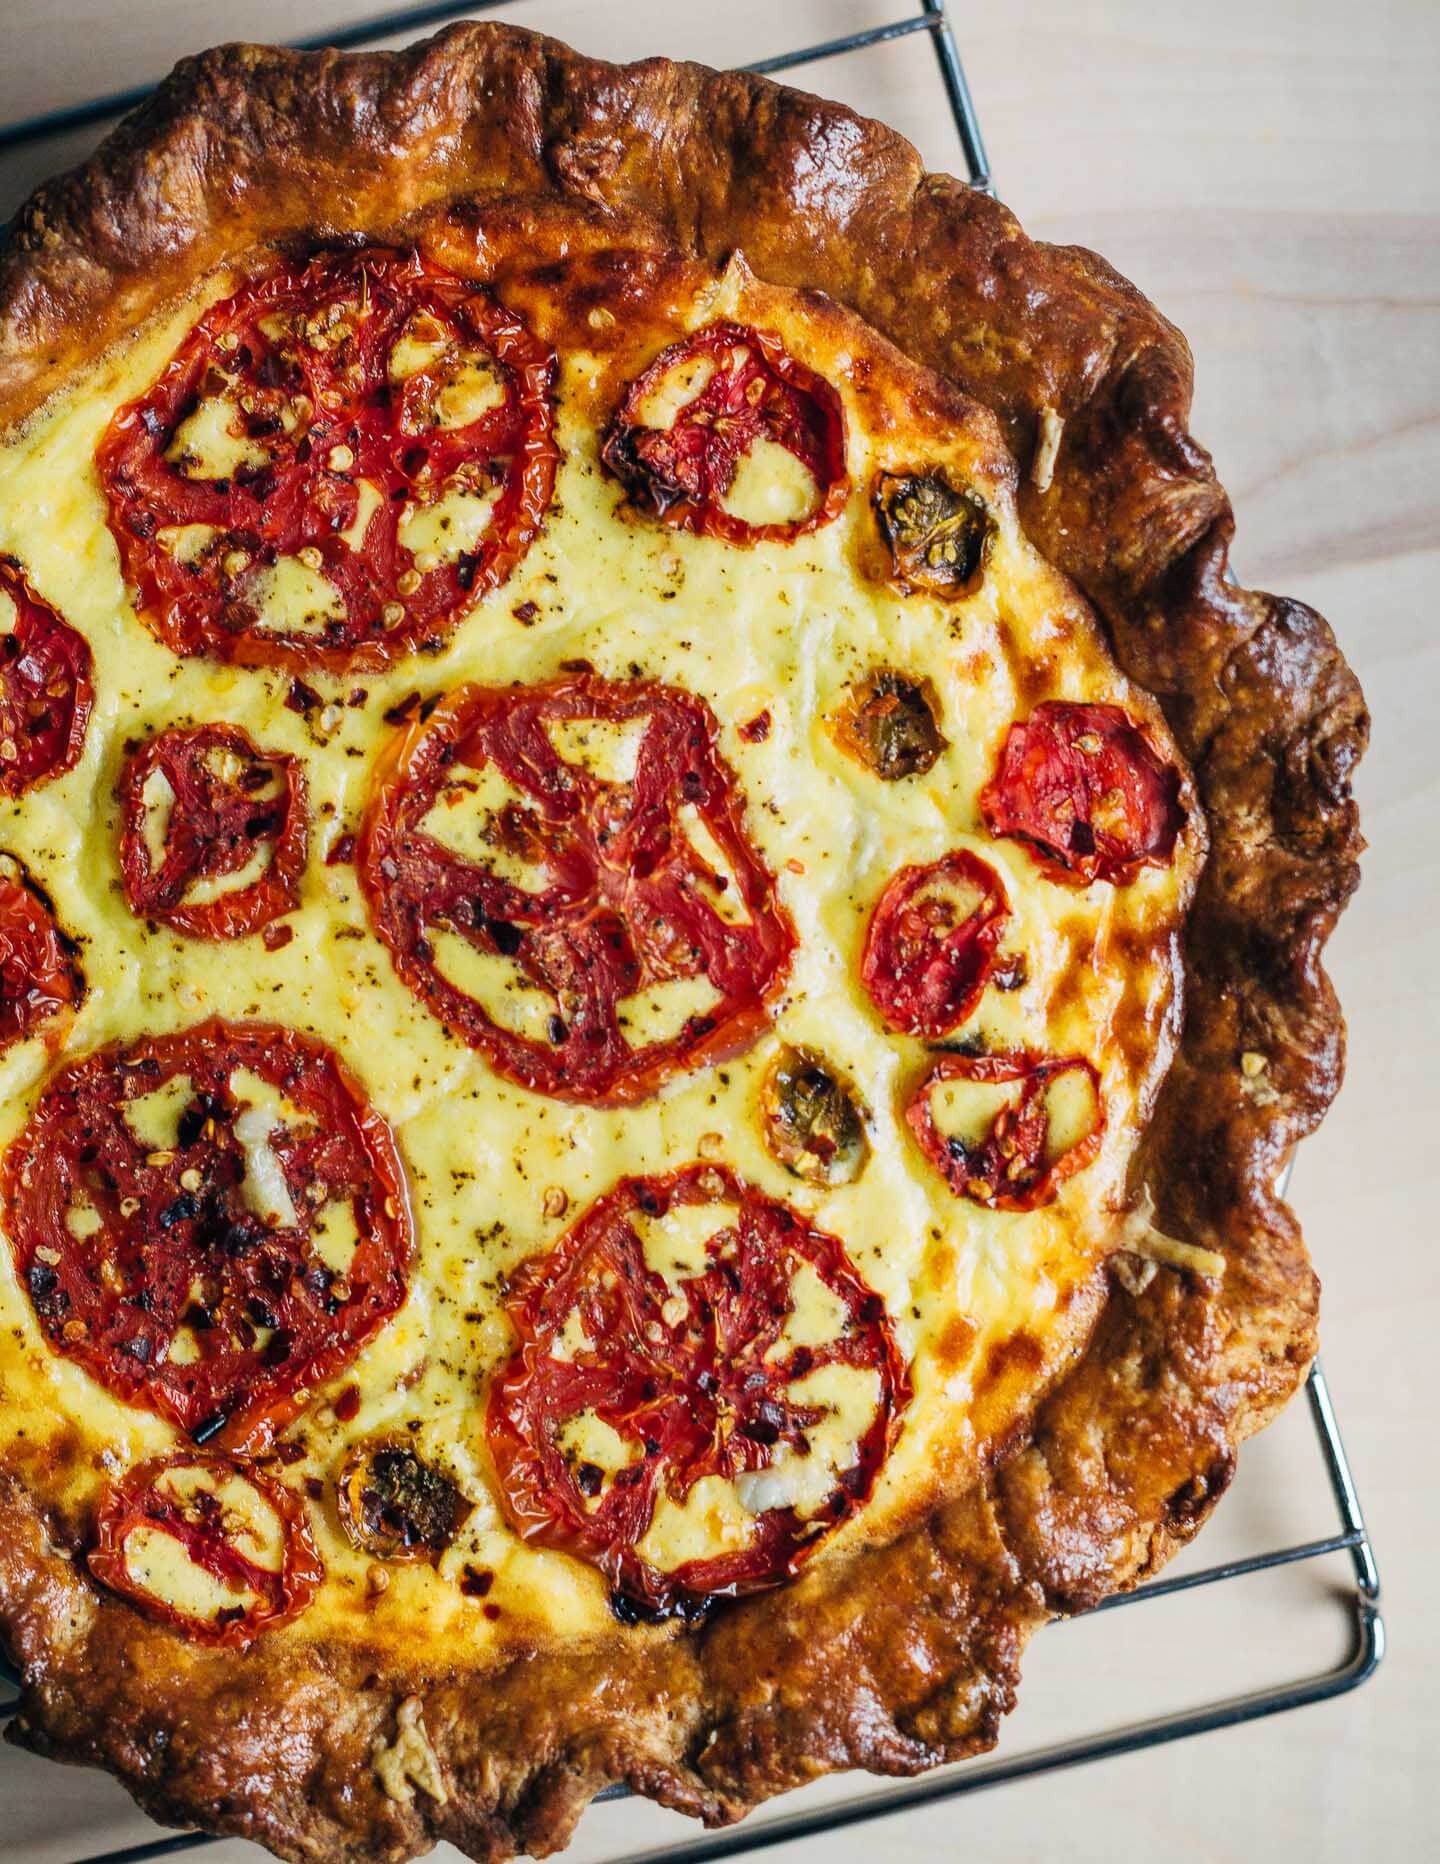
x: 904, y: 1655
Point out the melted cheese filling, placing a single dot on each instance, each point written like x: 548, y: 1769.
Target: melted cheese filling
x: 660, y: 1011
x: 676, y: 1246
x: 608, y: 748
x: 211, y: 443
x: 967, y: 1110
x: 770, y: 486
x: 785, y: 628
x: 454, y: 524
x: 466, y: 818
x: 291, y: 597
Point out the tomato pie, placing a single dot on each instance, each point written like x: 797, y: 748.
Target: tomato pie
x: 660, y: 927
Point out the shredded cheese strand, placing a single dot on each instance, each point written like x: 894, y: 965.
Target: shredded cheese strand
x: 1139, y: 1236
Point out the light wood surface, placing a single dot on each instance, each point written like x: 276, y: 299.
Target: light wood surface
x: 1270, y: 175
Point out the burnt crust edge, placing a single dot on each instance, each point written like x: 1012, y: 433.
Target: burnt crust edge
x: 907, y: 1654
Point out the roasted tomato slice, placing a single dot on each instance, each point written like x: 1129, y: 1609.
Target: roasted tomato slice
x: 937, y: 532
x: 201, y: 805
x: 336, y: 463
x: 245, y: 1563
x: 210, y: 1223
x: 1007, y: 1130
x: 932, y: 942
x: 890, y: 724
x: 396, y: 1506
x: 38, y: 973
x: 590, y: 927
x: 1082, y: 785
x: 45, y: 686
x: 812, y: 1119
x: 687, y: 1335
x: 727, y: 434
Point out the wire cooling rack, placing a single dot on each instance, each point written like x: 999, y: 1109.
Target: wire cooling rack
x: 1360, y: 1600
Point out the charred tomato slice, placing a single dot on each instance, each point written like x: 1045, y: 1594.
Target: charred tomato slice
x: 209, y: 1223
x: 242, y: 1536
x: 722, y: 394
x: 937, y: 532
x: 1083, y: 785
x: 595, y: 900
x: 675, y: 1351
x: 812, y: 1119
x: 370, y: 432
x: 38, y: 973
x: 890, y: 724
x: 45, y: 686
x: 1016, y: 1126
x: 213, y: 806
x: 396, y: 1506
x: 932, y: 942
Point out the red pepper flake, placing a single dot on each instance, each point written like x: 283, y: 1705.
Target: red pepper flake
x: 399, y: 713
x: 757, y: 730
x: 525, y: 613
x: 576, y: 666
x: 314, y: 1488
x: 492, y: 1612
x: 347, y: 1404
x: 302, y: 698
x: 340, y: 851
x: 275, y: 938
x: 357, y: 697
x: 476, y: 1581
x: 289, y: 1453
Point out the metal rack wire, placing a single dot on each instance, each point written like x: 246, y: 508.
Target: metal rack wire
x: 1361, y: 1601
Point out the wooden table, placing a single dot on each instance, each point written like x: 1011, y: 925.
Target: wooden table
x: 1270, y: 175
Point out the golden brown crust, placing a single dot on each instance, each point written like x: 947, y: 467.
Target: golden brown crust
x: 908, y: 1654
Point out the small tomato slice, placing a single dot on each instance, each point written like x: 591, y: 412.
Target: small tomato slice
x: 1007, y: 1130
x: 394, y: 1505
x: 811, y: 1118
x: 937, y: 531
x: 728, y: 391
x: 211, y: 1545
x: 889, y: 723
x: 45, y: 686
x: 1085, y: 788
x: 593, y: 898
x: 656, y: 1336
x: 932, y: 942
x: 177, y: 1208
x: 337, y: 462
x: 38, y: 973
x: 214, y: 806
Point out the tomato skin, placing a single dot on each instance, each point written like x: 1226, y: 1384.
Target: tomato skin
x: 135, y: 1501
x: 694, y: 1393
x: 210, y: 833
x: 46, y: 688
x: 1008, y: 1171
x: 270, y: 1322
x: 626, y: 900
x: 680, y: 474
x: 924, y: 971
x: 38, y: 974
x: 1085, y: 789
x: 300, y: 500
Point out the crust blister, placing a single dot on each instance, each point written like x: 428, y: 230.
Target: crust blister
x: 907, y: 1654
